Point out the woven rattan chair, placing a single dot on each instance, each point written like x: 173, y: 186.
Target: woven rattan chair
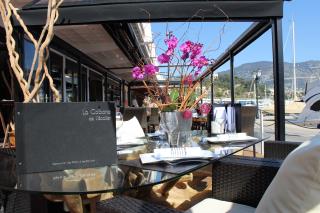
x: 12, y: 202
x: 247, y: 119
x: 278, y: 149
x: 244, y: 180
x: 139, y: 112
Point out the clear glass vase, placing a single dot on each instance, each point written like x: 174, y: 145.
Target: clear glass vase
x: 169, y: 124
x: 177, y: 128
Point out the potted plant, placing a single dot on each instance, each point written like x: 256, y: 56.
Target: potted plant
x: 185, y: 61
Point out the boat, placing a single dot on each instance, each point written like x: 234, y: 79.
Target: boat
x: 310, y: 114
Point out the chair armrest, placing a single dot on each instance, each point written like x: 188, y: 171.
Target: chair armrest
x: 279, y: 149
x: 242, y: 180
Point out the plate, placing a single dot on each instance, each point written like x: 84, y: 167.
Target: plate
x: 132, y: 141
x: 230, y: 139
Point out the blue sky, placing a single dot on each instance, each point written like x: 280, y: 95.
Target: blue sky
x: 307, y: 33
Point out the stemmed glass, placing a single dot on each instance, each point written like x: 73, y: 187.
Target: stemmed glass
x: 169, y: 123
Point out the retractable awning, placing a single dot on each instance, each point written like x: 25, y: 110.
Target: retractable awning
x: 97, y: 11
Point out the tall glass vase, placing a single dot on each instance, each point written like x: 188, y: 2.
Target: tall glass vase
x: 177, y: 128
x: 169, y: 124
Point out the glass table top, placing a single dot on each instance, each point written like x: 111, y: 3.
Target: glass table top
x: 127, y: 174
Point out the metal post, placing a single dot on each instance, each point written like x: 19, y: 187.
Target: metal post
x: 294, y: 63
x: 257, y: 75
x: 278, y: 75
x: 261, y: 131
x: 232, y: 78
x: 257, y: 93
x: 211, y: 85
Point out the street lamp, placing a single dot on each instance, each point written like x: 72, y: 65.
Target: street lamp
x: 256, y: 77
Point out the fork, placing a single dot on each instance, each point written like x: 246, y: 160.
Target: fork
x: 178, y: 152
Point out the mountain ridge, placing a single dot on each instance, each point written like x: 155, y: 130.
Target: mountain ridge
x: 305, y: 71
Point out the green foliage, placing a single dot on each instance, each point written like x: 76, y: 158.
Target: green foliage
x: 169, y: 108
x: 192, y: 99
x: 221, y: 86
x: 174, y: 95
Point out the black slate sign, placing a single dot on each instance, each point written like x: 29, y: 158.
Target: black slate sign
x: 59, y: 136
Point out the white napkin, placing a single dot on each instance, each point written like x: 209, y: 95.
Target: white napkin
x: 219, y: 120
x: 178, y: 152
x: 219, y: 113
x: 129, y: 132
x: 171, y: 154
x: 231, y: 119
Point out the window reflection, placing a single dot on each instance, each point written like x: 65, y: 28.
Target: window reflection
x: 71, y: 80
x: 73, y: 84
x: 95, y: 86
x: 206, y: 88
x: 27, y: 63
x: 221, y: 85
x: 84, y: 85
x: 57, y: 71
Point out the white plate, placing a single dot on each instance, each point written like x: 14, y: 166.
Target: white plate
x: 230, y: 139
x: 133, y: 141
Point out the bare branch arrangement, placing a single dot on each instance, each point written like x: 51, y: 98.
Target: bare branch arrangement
x: 31, y: 82
x: 187, y: 63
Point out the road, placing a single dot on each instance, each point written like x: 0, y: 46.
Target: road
x: 293, y: 132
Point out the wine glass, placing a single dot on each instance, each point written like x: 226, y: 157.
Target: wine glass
x: 169, y: 123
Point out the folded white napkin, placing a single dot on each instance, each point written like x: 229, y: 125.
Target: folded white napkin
x: 129, y: 132
x: 219, y: 113
x: 171, y: 154
x: 231, y: 119
x: 178, y: 152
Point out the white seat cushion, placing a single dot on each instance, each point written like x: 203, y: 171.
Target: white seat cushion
x: 296, y: 187
x: 211, y: 205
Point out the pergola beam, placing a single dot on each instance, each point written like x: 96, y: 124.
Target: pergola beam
x: 152, y: 10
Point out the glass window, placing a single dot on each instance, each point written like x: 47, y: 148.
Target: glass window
x: 95, y: 86
x: 302, y: 80
x: 221, y: 84
x: 28, y: 55
x: 114, y: 90
x: 254, y: 85
x: 206, y: 88
x: 27, y: 62
x: 84, y: 85
x: 5, y: 77
x: 71, y: 80
x: 56, y: 62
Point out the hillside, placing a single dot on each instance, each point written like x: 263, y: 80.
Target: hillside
x: 305, y: 71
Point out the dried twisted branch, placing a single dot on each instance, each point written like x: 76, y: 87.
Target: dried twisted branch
x: 41, y: 54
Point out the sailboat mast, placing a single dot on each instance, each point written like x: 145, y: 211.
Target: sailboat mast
x: 294, y: 63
